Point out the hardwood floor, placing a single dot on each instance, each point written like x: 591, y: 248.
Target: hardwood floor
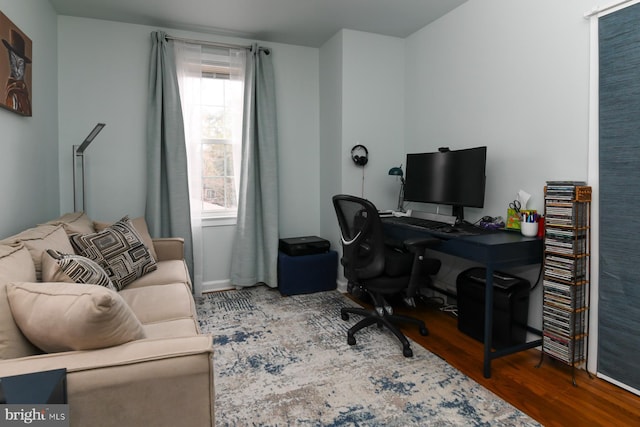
x: 545, y: 393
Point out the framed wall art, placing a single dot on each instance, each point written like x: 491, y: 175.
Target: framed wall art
x: 15, y: 68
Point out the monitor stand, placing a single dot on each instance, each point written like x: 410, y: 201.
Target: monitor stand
x: 458, y: 212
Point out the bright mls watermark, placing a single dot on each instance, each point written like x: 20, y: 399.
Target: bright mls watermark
x: 34, y: 415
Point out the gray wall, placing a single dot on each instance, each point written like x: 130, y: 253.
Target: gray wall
x: 29, y: 145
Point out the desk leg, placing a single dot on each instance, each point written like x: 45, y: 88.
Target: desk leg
x: 488, y: 320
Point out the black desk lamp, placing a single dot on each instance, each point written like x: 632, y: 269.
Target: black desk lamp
x: 397, y: 171
x: 78, y: 160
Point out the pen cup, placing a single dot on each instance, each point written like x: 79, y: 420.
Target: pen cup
x: 529, y: 229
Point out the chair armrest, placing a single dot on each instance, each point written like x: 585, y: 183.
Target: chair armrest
x: 169, y: 248
x: 421, y: 243
x: 422, y: 267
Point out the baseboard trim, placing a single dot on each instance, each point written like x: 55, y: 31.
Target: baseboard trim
x: 618, y: 383
x: 342, y: 286
x: 225, y: 285
x: 217, y: 285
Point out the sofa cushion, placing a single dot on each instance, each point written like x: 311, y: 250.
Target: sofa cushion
x: 16, y: 264
x: 171, y: 328
x: 161, y: 302
x: 174, y: 271
x: 57, y: 267
x: 41, y: 238
x: 119, y: 249
x: 140, y: 225
x: 74, y: 222
x: 65, y: 316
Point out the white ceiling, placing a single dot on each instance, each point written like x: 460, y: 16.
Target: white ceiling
x: 299, y: 22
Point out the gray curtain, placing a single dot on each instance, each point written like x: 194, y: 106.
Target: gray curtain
x: 619, y: 289
x: 255, y: 252
x: 167, y: 210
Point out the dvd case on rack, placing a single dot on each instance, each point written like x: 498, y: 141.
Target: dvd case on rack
x: 566, y: 270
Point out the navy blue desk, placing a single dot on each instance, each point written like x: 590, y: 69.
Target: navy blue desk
x: 496, y: 250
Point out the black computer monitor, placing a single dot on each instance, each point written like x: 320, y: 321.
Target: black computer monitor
x: 447, y: 177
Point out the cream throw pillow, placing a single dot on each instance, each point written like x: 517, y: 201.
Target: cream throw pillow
x: 41, y: 238
x: 74, y: 222
x: 16, y: 265
x: 65, y: 316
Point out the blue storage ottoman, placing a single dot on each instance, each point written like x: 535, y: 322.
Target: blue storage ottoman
x: 304, y: 274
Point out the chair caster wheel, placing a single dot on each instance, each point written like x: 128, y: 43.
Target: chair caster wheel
x: 407, y: 352
x: 424, y: 331
x: 351, y: 340
x: 344, y: 316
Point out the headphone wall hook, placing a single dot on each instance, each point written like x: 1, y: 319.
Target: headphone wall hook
x: 360, y: 155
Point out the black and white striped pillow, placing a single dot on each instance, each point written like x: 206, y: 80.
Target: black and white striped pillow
x: 78, y: 269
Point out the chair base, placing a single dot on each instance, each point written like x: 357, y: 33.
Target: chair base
x: 384, y: 320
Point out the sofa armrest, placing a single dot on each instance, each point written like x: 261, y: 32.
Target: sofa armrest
x: 159, y: 382
x: 169, y: 248
x: 133, y: 352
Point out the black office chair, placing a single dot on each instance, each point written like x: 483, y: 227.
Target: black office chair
x: 379, y: 270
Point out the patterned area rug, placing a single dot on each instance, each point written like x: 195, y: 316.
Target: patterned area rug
x: 285, y: 361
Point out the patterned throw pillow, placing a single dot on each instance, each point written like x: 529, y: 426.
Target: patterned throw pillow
x: 118, y: 249
x: 57, y: 267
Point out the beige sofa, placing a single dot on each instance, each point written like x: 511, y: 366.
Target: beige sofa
x: 143, y: 362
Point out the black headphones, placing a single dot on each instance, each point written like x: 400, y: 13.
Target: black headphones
x: 357, y: 156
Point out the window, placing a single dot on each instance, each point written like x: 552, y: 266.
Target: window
x: 218, y: 151
x: 211, y: 91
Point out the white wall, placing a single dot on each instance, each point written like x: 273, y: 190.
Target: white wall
x: 297, y: 96
x: 29, y: 145
x: 103, y: 78
x: 331, y: 152
x: 509, y: 75
x: 361, y: 102
x: 372, y: 114
x: 103, y: 68
x: 513, y: 76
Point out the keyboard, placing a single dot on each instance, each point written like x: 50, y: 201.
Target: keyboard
x: 420, y: 222
x: 437, y: 227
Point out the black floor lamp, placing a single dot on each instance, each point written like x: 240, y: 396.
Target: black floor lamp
x: 78, y: 162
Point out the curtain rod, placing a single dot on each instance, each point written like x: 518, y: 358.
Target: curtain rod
x: 208, y: 43
x: 597, y: 11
